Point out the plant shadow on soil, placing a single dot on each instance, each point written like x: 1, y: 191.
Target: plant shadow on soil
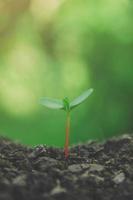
x: 93, y: 171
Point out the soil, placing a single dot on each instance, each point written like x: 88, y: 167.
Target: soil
x: 93, y: 171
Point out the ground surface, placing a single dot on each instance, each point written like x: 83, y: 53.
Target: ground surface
x: 93, y: 171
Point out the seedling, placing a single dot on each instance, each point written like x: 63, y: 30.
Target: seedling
x: 66, y: 105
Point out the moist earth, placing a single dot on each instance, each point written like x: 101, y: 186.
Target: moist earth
x: 93, y: 171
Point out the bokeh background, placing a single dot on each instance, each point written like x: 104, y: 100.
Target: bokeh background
x: 59, y: 48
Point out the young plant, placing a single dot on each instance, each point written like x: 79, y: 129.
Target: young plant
x: 66, y: 105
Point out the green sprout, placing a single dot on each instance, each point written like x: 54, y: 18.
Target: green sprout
x: 66, y: 105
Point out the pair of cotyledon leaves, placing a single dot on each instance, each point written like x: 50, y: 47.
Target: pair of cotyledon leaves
x: 65, y: 104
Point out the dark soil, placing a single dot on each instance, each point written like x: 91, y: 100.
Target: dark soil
x: 93, y: 171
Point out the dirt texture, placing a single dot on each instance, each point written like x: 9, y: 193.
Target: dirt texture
x: 93, y: 171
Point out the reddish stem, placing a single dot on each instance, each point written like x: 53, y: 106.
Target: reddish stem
x: 66, y: 149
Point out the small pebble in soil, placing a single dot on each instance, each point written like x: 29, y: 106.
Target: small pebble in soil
x: 119, y: 178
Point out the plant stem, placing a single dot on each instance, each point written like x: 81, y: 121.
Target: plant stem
x: 66, y: 150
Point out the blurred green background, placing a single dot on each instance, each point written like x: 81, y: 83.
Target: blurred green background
x: 59, y: 48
